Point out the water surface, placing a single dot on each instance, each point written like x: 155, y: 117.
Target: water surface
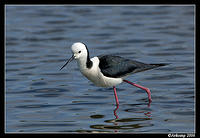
x: 41, y: 98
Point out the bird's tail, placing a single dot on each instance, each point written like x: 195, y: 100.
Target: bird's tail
x: 149, y: 66
x: 159, y: 65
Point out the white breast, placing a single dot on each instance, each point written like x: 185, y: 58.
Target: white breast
x: 94, y: 74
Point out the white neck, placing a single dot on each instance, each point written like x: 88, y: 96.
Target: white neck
x: 82, y: 63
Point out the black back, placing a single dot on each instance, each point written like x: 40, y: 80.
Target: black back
x: 115, y: 66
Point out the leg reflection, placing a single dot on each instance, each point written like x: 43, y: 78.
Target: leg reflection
x: 115, y: 114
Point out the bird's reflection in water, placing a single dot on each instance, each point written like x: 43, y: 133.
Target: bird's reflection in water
x: 116, y: 122
x: 116, y: 117
x: 115, y: 112
x: 148, y: 114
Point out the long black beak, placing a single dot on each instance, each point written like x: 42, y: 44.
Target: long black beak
x: 69, y: 60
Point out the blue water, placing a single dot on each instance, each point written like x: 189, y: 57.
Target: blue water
x: 41, y: 98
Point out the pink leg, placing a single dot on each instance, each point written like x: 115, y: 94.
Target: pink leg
x: 116, y: 98
x: 141, y: 87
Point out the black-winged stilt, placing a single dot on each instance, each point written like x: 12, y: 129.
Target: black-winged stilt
x: 108, y: 70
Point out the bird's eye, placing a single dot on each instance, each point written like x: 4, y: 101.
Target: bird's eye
x: 79, y: 51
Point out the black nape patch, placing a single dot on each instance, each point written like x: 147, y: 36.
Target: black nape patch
x: 89, y: 63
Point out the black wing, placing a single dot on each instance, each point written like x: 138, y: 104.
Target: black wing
x: 115, y: 66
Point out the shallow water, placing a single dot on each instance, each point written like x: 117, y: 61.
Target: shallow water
x: 41, y: 98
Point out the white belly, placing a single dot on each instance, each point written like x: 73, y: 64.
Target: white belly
x: 99, y: 80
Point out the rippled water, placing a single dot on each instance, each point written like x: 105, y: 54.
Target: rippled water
x: 41, y: 98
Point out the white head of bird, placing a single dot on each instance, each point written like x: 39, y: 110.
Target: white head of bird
x: 81, y: 54
x: 79, y: 51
